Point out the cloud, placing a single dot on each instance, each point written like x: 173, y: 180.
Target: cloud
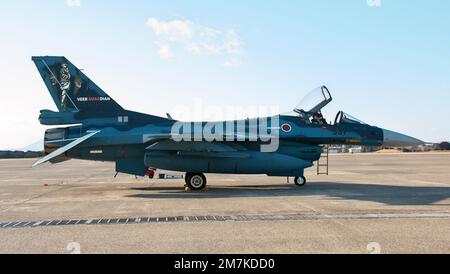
x: 233, y: 62
x: 174, y: 31
x: 165, y: 52
x: 195, y: 39
x: 73, y: 3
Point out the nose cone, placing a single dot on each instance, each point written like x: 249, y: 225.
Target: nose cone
x: 395, y: 139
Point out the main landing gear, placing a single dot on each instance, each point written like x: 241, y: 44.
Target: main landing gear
x: 300, y: 181
x: 195, y: 181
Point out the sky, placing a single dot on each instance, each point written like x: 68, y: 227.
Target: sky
x: 386, y: 62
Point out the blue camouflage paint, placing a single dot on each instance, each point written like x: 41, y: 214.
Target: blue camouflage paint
x: 136, y: 141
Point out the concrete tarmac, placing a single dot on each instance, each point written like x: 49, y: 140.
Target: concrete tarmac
x: 399, y: 203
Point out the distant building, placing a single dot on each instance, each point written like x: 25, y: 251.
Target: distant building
x: 443, y: 146
x: 335, y: 150
x: 350, y: 149
x: 356, y: 150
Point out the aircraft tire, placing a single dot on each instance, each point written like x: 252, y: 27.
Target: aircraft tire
x: 300, y: 181
x: 196, y: 181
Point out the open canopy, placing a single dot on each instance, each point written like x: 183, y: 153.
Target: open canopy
x: 315, y: 101
x: 310, y: 108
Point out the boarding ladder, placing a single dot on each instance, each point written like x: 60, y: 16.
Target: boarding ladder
x: 324, y: 162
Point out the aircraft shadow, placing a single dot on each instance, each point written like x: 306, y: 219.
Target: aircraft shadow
x: 386, y: 194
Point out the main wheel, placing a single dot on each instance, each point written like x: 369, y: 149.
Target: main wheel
x: 196, y: 181
x: 300, y: 181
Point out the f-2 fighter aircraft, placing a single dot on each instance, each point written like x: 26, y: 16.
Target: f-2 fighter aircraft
x: 99, y: 129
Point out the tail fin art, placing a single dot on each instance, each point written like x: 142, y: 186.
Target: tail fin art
x: 71, y: 89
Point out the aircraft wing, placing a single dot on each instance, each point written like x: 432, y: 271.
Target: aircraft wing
x: 64, y: 149
x: 199, y: 149
x: 191, y: 146
x: 161, y: 144
x: 150, y: 139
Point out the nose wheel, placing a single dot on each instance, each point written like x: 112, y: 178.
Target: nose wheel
x: 300, y: 181
x: 196, y: 181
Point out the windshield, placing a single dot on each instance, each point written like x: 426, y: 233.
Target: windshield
x: 315, y: 100
x: 344, y: 118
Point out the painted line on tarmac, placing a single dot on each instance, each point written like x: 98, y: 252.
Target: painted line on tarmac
x: 216, y: 218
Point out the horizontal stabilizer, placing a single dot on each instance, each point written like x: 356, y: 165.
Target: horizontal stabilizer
x: 64, y: 149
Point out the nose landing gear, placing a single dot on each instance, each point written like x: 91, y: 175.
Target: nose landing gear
x: 195, y: 181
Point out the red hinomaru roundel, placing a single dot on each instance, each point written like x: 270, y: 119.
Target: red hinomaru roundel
x: 286, y: 128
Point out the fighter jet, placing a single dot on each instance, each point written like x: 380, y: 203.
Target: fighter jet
x: 97, y: 128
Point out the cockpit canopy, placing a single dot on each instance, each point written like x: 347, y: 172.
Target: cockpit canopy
x: 344, y: 118
x: 315, y: 101
x: 310, y: 108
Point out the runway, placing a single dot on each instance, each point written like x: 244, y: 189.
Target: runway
x: 400, y: 201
